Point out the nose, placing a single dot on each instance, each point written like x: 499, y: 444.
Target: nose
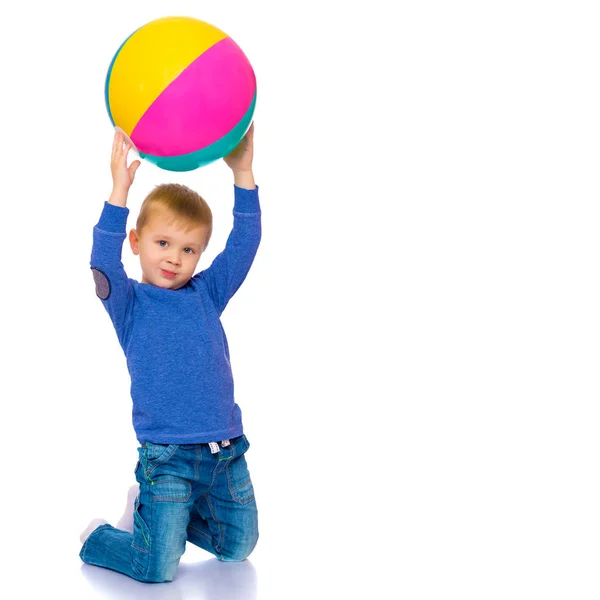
x: 174, y: 258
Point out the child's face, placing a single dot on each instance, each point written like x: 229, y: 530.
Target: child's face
x: 168, y: 253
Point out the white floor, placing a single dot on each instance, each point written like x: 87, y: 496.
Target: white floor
x: 197, y: 577
x: 200, y: 579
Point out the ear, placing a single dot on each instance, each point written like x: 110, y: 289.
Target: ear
x: 134, y: 241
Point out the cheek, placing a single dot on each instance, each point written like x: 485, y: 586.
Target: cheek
x: 191, y: 262
x: 151, y: 254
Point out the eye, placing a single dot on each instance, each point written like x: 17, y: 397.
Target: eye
x: 162, y: 243
x: 188, y: 250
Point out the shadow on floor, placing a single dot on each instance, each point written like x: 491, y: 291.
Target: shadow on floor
x: 205, y: 580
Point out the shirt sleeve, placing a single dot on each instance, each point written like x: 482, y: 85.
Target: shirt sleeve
x: 229, y: 269
x: 113, y: 286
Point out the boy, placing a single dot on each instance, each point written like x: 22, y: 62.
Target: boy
x: 193, y: 480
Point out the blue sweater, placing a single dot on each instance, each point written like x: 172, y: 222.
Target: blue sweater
x: 176, y: 349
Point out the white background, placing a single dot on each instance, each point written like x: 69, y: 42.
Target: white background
x: 415, y: 349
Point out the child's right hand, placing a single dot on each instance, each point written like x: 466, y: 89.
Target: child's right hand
x: 122, y: 175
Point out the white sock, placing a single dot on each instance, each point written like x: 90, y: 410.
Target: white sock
x: 94, y: 523
x: 125, y: 523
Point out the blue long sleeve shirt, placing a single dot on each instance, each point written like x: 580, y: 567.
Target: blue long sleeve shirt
x: 175, y: 345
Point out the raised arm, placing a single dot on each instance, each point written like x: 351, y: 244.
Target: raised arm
x: 229, y: 269
x: 240, y: 161
x: 112, y: 284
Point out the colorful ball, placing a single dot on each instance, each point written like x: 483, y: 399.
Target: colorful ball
x: 183, y: 92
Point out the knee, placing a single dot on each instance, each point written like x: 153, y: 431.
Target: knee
x: 239, y: 551
x: 157, y: 576
x: 156, y: 571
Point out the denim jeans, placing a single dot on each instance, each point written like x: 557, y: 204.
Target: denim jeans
x: 186, y: 494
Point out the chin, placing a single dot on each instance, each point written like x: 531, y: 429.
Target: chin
x: 161, y: 283
x: 175, y: 285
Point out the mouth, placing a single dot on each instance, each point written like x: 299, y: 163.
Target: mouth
x: 168, y: 274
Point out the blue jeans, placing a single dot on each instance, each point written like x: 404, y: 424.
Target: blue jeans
x: 186, y: 494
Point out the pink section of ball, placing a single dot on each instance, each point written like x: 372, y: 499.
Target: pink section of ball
x: 199, y: 107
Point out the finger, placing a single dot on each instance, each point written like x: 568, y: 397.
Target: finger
x: 117, y: 142
x: 133, y: 167
x: 249, y: 138
x: 249, y: 134
x: 121, y: 150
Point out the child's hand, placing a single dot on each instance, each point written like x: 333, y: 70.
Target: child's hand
x: 240, y: 158
x: 122, y: 174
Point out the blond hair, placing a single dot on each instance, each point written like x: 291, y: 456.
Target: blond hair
x: 186, y: 206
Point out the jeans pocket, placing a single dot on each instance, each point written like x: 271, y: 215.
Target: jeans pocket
x: 156, y: 455
x: 238, y: 480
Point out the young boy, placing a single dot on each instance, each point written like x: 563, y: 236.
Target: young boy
x: 193, y: 480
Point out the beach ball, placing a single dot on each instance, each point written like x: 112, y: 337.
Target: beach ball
x: 182, y: 91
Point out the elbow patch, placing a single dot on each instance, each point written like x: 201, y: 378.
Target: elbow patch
x: 102, y: 284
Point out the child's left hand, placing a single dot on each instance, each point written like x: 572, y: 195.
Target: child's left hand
x: 241, y: 157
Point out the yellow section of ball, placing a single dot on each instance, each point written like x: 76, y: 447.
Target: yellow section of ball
x: 150, y: 60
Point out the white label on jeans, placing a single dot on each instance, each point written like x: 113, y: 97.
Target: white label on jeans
x: 214, y: 447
